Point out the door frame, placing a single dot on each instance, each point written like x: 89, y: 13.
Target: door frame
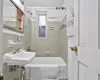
x: 1, y: 37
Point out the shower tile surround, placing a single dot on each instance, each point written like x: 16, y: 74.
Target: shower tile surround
x: 49, y: 44
x: 64, y: 41
x: 55, y: 42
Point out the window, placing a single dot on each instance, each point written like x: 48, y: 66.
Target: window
x: 42, y: 25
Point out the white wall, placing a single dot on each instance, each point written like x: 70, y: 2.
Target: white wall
x: 69, y: 4
x: 9, y: 13
x: 1, y: 35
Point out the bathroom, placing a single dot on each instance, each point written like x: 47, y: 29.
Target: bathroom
x: 38, y: 28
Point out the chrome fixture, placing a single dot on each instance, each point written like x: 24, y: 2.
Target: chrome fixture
x: 60, y: 8
x: 22, y: 1
x: 29, y: 12
x: 17, y: 50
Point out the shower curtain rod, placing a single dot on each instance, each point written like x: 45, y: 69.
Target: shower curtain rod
x: 47, y: 7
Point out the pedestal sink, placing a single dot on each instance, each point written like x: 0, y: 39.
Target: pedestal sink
x: 21, y: 58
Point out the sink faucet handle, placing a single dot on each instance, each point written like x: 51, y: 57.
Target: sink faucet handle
x: 20, y: 49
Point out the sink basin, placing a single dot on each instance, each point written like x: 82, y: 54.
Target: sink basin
x: 21, y: 58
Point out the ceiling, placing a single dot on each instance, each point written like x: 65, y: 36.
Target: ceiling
x: 43, y: 3
x: 38, y: 3
x: 7, y: 3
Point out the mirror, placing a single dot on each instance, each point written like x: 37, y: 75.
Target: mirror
x: 13, y: 15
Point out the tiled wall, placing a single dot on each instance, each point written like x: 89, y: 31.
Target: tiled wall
x: 64, y: 41
x: 7, y: 37
x: 11, y: 75
x: 27, y: 32
x: 50, y: 43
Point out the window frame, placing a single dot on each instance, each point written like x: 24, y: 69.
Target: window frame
x: 37, y: 24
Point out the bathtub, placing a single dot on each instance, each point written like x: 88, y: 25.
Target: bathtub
x: 46, y: 68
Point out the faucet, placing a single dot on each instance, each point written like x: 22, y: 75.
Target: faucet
x: 17, y: 50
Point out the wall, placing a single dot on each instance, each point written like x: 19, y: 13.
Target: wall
x: 27, y: 29
x: 11, y: 23
x: 7, y: 37
x: 27, y: 32
x: 51, y: 43
x: 64, y: 42
x: 10, y: 75
x: 26, y: 42
x: 1, y: 28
